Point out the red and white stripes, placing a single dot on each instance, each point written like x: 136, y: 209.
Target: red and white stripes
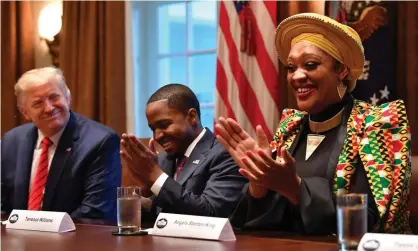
x: 247, y: 85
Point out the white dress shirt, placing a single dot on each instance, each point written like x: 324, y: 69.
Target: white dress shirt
x: 158, y: 184
x: 38, y: 151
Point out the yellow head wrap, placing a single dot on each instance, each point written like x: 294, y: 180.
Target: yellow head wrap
x: 340, y: 41
x: 321, y: 42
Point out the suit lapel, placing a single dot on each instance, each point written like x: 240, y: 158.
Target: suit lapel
x: 197, y: 157
x: 24, y: 167
x: 298, y: 136
x: 66, y: 146
x: 167, y: 165
x: 339, y: 143
x: 288, y: 133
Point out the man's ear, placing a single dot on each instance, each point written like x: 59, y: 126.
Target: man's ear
x: 24, y: 113
x: 68, y: 98
x: 192, y: 116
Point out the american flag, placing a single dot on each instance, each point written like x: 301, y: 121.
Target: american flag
x: 247, y: 87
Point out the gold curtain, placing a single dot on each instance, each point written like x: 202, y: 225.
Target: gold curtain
x: 284, y: 10
x: 92, y: 57
x: 17, y: 56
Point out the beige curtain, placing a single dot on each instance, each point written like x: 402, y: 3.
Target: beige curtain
x: 92, y: 57
x: 284, y: 10
x: 407, y: 72
x: 17, y: 56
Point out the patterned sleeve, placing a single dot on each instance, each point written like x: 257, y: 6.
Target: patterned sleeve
x: 386, y: 146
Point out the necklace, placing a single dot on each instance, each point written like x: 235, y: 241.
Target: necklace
x: 315, y: 139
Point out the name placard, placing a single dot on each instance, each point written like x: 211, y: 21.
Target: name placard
x: 388, y: 242
x: 57, y: 222
x: 190, y: 226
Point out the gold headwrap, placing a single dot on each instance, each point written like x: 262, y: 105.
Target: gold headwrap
x: 321, y: 42
x: 340, y: 41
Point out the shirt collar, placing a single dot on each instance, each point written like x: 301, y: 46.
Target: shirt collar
x: 189, y: 149
x: 55, y: 138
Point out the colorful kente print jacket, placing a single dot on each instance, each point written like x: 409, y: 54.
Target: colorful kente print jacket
x: 379, y: 137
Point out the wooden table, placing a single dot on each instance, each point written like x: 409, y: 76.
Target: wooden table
x: 98, y: 237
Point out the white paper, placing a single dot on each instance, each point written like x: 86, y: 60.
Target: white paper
x: 190, y: 226
x: 148, y: 230
x: 57, y: 222
x: 388, y: 242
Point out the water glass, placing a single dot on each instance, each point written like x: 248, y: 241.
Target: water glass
x: 351, y: 220
x: 129, y: 209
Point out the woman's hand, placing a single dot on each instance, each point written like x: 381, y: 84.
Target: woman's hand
x: 237, y: 142
x: 275, y: 175
x: 255, y: 161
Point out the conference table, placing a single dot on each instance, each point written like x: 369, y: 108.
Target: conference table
x: 94, y: 237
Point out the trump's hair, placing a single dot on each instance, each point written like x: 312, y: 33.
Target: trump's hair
x: 37, y: 77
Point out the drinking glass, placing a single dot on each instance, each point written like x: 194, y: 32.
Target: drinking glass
x: 351, y: 220
x: 129, y: 209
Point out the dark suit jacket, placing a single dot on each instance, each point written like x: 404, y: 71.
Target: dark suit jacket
x: 83, y: 175
x: 210, y: 187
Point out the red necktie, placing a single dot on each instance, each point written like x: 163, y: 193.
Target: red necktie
x: 36, y: 193
x: 180, y: 165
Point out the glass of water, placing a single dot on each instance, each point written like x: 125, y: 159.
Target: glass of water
x: 129, y: 209
x: 351, y: 220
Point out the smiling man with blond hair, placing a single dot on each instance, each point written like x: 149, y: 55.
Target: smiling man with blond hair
x: 61, y: 161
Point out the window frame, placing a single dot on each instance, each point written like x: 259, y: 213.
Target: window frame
x: 142, y: 20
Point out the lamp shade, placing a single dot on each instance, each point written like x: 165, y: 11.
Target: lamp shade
x: 49, y: 22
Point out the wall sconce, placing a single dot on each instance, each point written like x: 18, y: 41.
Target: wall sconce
x: 49, y: 26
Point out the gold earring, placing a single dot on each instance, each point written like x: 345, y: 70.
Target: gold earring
x: 341, y: 88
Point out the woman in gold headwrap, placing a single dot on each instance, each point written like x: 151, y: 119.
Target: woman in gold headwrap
x: 333, y: 145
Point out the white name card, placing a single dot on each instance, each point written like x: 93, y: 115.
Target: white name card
x: 189, y: 226
x: 388, y: 242
x: 57, y: 222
